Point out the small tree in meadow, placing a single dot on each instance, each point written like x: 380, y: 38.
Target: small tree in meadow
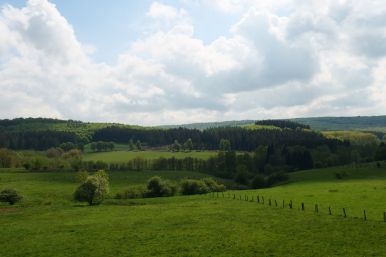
x: 225, y: 145
x: 94, y: 189
x: 193, y: 187
x: 188, y: 145
x: 10, y: 196
x: 138, y: 144
x: 157, y: 187
x: 131, y: 145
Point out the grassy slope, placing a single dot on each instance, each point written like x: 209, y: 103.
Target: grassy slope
x: 124, y: 156
x: 364, y: 188
x: 197, y: 225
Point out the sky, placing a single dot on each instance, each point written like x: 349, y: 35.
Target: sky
x: 181, y: 61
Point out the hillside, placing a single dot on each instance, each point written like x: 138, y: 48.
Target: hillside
x: 365, y: 123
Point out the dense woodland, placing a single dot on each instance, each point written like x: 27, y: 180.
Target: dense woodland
x: 246, y: 155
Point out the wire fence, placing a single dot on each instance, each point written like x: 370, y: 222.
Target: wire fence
x: 259, y: 199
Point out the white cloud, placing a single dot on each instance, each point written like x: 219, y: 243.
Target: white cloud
x: 281, y: 59
x: 158, y: 10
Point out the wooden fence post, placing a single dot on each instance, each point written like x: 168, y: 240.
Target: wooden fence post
x: 258, y: 199
x: 290, y: 204
x: 364, y: 215
x: 302, y: 206
x: 329, y: 210
x: 316, y: 208
x: 234, y: 196
x: 344, y: 213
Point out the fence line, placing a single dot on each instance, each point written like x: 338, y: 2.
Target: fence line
x: 260, y: 200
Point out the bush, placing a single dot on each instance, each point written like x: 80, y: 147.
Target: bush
x: 94, y: 189
x: 340, y: 175
x: 276, y: 178
x: 213, y: 185
x: 81, y: 176
x: 157, y: 187
x: 10, y: 196
x: 193, y: 187
x: 132, y: 193
x: 242, y: 174
x: 258, y: 182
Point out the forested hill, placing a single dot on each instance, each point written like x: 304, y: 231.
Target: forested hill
x: 207, y: 125
x: 370, y: 123
x: 365, y: 123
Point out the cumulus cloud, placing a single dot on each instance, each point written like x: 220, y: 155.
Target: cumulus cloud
x: 281, y: 59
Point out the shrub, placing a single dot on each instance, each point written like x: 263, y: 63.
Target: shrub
x: 94, y: 189
x: 213, y: 185
x: 242, y: 174
x: 81, y: 176
x: 10, y: 196
x: 340, y: 175
x: 132, y: 192
x: 258, y: 182
x: 157, y: 187
x: 192, y: 187
x: 276, y: 178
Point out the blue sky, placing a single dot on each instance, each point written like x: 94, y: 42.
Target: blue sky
x: 112, y: 26
x: 168, y: 62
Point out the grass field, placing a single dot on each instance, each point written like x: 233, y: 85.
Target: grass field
x: 48, y: 223
x: 364, y: 188
x: 124, y: 156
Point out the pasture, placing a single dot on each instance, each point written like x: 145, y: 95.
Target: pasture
x: 48, y: 223
x: 124, y: 156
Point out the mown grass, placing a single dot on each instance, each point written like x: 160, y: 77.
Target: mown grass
x: 196, y: 225
x: 124, y: 156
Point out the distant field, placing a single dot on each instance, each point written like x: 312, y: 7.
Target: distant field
x: 48, y: 223
x: 124, y: 156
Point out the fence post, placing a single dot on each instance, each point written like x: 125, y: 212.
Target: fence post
x: 222, y: 194
x: 258, y: 199
x: 240, y: 197
x: 302, y: 206
x: 290, y: 204
x: 329, y: 210
x: 234, y: 196
x: 364, y: 215
x: 316, y: 208
x: 344, y: 213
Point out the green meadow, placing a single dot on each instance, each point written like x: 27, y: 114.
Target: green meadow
x: 48, y: 223
x: 124, y: 156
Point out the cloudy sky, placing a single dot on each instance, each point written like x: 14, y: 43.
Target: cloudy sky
x: 180, y: 61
